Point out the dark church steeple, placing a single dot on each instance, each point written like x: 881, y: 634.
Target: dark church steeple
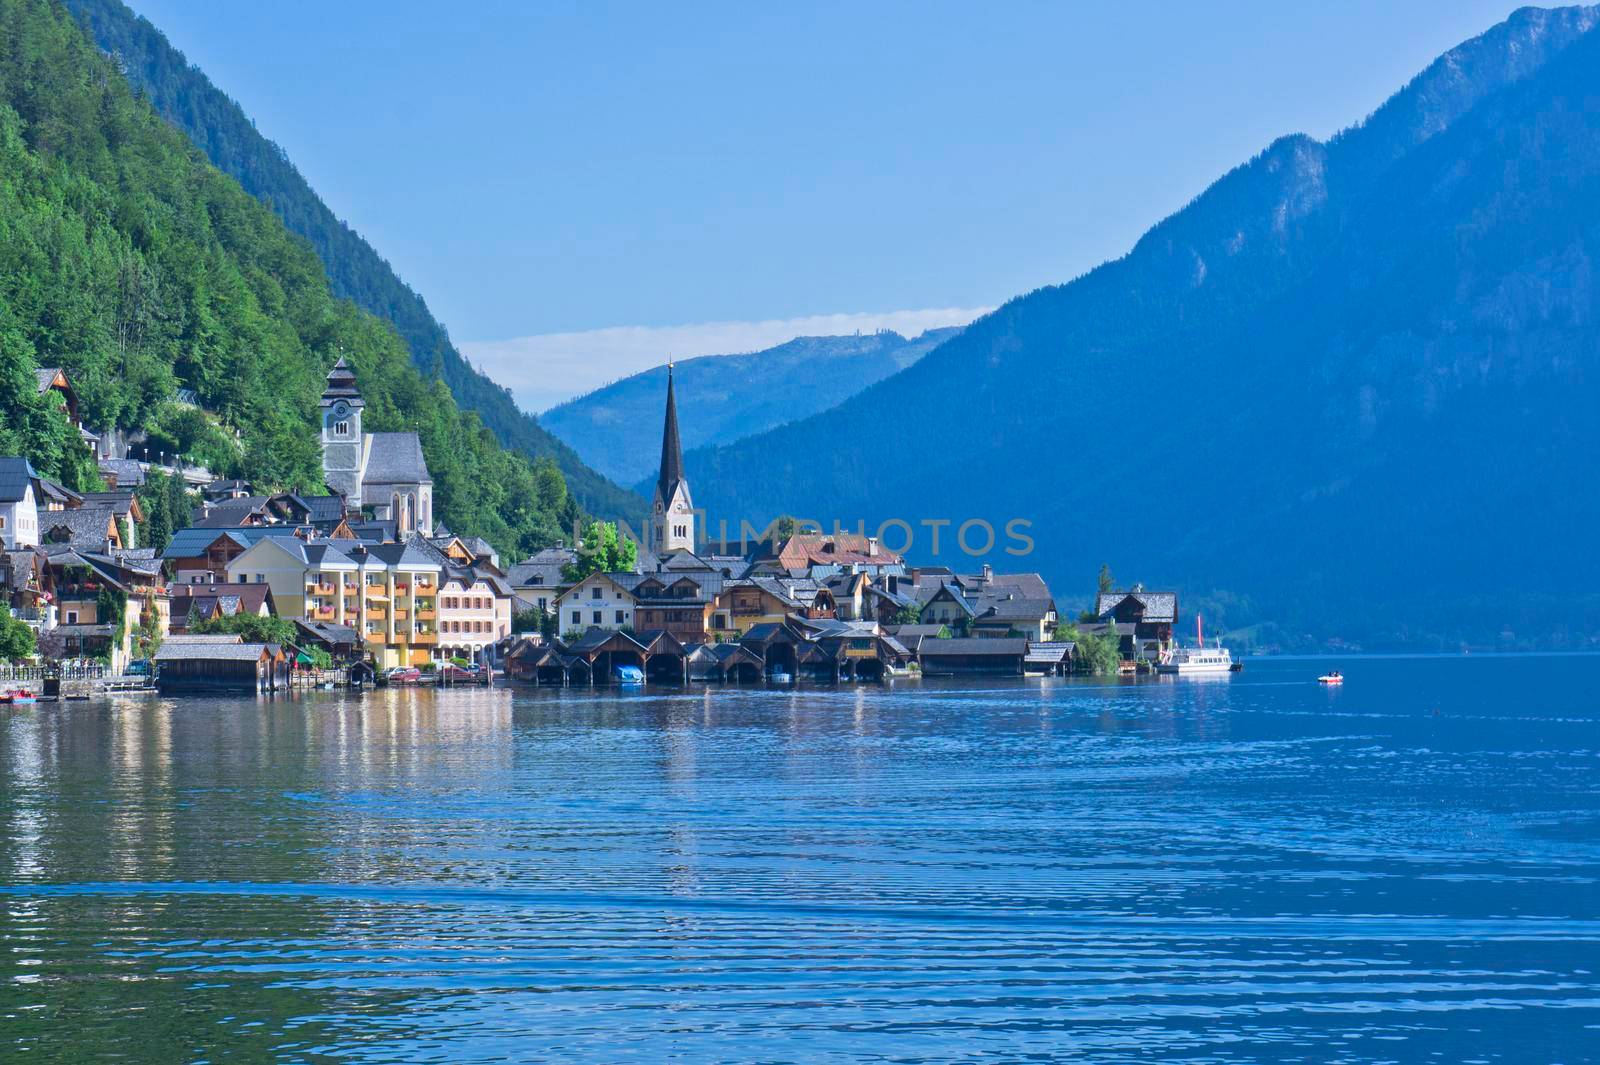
x: 672, y: 512
x: 671, y: 447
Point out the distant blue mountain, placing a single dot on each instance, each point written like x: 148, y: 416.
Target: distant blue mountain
x: 617, y: 429
x: 1351, y: 389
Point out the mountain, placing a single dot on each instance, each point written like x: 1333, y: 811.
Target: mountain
x: 219, y: 127
x: 131, y: 261
x: 1347, y: 391
x: 617, y: 429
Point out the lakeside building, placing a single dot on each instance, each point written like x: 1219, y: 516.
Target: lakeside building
x: 219, y: 664
x: 191, y: 605
x: 99, y: 601
x: 1142, y: 620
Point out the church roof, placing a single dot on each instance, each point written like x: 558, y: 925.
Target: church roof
x: 671, y: 447
x: 395, y: 458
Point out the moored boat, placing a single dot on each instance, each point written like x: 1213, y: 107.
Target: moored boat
x: 1196, y: 661
x: 18, y: 697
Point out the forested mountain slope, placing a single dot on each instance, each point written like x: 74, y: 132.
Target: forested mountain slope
x: 1350, y: 388
x: 130, y: 260
x: 617, y: 429
x: 220, y: 128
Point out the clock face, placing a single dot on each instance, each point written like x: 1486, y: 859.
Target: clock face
x: 341, y: 409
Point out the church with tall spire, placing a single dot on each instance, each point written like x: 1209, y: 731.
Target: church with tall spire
x: 672, y: 511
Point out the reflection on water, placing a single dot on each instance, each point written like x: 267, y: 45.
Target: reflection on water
x: 1253, y: 870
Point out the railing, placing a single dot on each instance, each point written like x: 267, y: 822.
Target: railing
x: 324, y: 613
x: 401, y: 588
x: 400, y: 613
x: 425, y: 637
x: 320, y: 589
x: 425, y: 613
x: 49, y: 671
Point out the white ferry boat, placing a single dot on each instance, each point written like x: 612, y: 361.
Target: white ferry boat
x: 1198, y: 660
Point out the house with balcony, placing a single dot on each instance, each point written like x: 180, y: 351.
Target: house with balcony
x: 399, y: 601
x: 678, y: 603
x: 744, y: 604
x: 100, y: 599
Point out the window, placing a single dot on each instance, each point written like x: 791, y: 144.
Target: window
x: 597, y: 616
x: 2, y: 521
x: 619, y: 617
x: 577, y: 617
x: 342, y: 429
x: 72, y: 617
x: 596, y: 592
x: 261, y: 578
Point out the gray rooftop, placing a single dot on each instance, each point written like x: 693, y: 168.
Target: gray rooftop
x: 15, y: 476
x: 396, y: 458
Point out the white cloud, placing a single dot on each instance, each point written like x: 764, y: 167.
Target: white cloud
x: 544, y: 370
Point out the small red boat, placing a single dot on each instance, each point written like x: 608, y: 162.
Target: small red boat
x: 18, y: 697
x: 1331, y: 678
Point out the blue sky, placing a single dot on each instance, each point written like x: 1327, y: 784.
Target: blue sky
x: 680, y: 177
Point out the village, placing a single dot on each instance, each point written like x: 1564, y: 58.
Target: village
x: 362, y: 585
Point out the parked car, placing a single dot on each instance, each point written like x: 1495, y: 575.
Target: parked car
x: 452, y: 672
x: 139, y: 667
x: 403, y: 675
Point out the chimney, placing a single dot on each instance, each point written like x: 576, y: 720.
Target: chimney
x: 872, y: 547
x: 988, y: 573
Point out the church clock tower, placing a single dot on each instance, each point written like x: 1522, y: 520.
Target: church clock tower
x: 341, y: 435
x: 672, y: 510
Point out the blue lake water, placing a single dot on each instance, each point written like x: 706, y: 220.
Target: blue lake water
x: 1248, y: 869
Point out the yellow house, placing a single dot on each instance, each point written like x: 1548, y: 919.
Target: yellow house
x: 386, y: 592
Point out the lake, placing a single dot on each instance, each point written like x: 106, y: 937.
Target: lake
x: 1246, y: 869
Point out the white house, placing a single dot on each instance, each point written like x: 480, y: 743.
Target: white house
x: 19, y: 509
x: 600, y: 600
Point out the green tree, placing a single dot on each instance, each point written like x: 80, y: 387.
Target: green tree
x: 1106, y: 582
x: 909, y: 614
x: 252, y: 627
x: 167, y: 505
x: 603, y: 551
x: 531, y: 620
x: 147, y: 637
x: 1094, y: 653
x: 16, y: 639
